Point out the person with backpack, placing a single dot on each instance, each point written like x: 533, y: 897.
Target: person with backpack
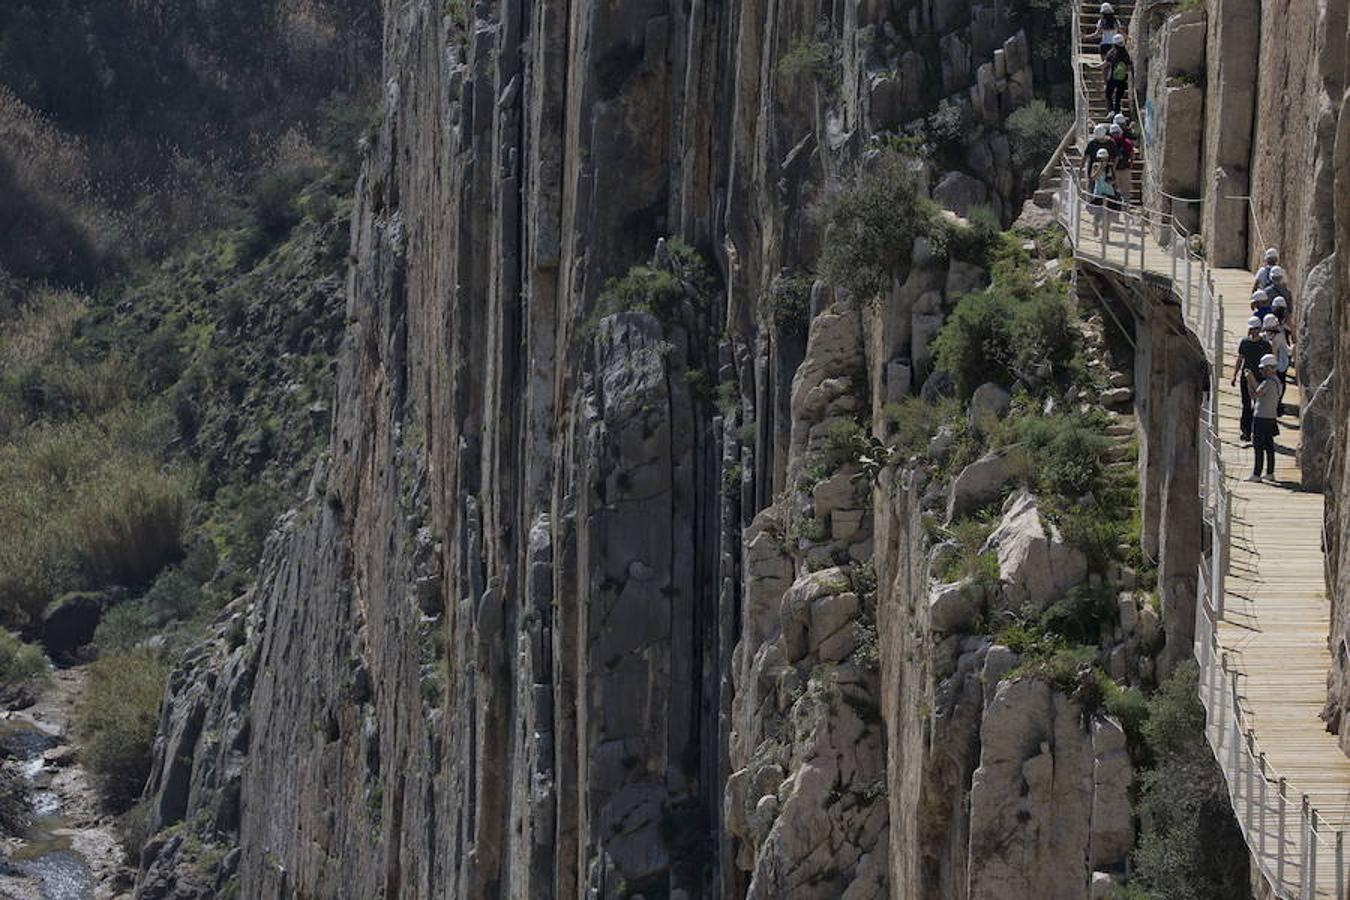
x: 1108, y: 27
x: 1102, y: 186
x: 1261, y: 305
x: 1124, y: 160
x: 1126, y: 126
x: 1100, y: 140
x: 1250, y: 352
x: 1264, y: 389
x: 1279, y: 287
x: 1118, y: 66
x: 1281, y: 348
x: 1270, y: 260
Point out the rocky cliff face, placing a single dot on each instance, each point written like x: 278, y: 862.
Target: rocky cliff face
x: 559, y: 617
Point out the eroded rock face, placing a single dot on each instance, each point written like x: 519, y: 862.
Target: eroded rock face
x: 515, y: 643
x: 1051, y: 782
x: 1036, y: 565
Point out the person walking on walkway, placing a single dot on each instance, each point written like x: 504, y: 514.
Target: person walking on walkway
x: 1271, y: 259
x: 1108, y: 27
x: 1265, y: 393
x: 1261, y: 304
x: 1100, y: 140
x: 1118, y: 66
x: 1281, y: 347
x: 1126, y: 127
x: 1279, y: 287
x: 1251, y: 350
x: 1124, y: 160
x: 1103, y: 189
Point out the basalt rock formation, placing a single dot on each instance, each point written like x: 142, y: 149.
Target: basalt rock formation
x: 561, y: 614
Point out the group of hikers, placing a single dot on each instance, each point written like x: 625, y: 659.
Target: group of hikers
x: 1109, y: 157
x: 1265, y: 355
x: 1262, y: 365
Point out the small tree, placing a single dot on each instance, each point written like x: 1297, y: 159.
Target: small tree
x: 870, y: 225
x: 1034, y: 131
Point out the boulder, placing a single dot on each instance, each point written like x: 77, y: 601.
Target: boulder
x: 940, y: 445
x: 955, y: 606
x: 1035, y: 564
x: 978, y: 484
x: 70, y: 620
x: 960, y: 193
x: 989, y: 403
x: 1116, y: 396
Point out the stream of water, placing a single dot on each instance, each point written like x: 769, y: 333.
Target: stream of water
x: 46, y: 852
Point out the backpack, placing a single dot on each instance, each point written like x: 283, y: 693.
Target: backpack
x: 1119, y: 70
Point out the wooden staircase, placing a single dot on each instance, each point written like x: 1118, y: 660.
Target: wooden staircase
x: 1093, y: 73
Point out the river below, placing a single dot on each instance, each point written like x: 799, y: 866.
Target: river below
x: 70, y: 851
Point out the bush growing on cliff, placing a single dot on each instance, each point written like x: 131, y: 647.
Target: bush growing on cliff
x: 23, y: 668
x: 116, y: 720
x: 1006, y: 333
x: 1034, y: 132
x: 870, y: 224
x: 1190, y: 847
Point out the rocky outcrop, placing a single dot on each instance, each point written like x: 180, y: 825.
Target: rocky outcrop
x: 515, y: 644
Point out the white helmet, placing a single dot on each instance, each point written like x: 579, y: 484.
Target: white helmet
x: 1277, y: 273
x: 1118, y: 40
x: 1272, y: 256
x: 1269, y: 360
x: 1108, y: 8
x: 1102, y: 154
x: 1270, y: 322
x: 1280, y: 303
x: 1100, y: 131
x: 1116, y: 129
x: 1253, y: 323
x: 1120, y: 119
x: 1258, y: 296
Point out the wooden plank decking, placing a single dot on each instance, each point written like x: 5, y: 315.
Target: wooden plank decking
x: 1276, y: 615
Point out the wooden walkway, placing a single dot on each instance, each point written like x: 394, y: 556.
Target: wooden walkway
x: 1276, y: 619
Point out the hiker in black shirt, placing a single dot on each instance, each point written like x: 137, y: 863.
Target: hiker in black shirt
x: 1250, y: 351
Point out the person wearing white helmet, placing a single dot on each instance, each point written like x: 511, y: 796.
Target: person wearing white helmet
x: 1250, y: 351
x: 1260, y: 304
x: 1265, y: 394
x: 1279, y: 285
x: 1124, y: 159
x: 1102, y: 185
x: 1108, y: 26
x: 1124, y: 122
x: 1117, y: 75
x: 1269, y: 260
x: 1100, y: 140
x: 1282, y: 347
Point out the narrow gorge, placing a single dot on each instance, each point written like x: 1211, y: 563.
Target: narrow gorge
x: 698, y: 466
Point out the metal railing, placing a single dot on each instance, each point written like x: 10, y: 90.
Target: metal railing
x: 1298, y: 851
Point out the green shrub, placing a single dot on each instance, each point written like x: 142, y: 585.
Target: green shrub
x: 1004, y: 333
x: 1034, y: 132
x: 23, y: 668
x: 806, y: 57
x: 242, y: 518
x: 126, y: 530
x: 948, y: 126
x: 787, y: 303
x: 1190, y: 847
x: 870, y: 225
x: 116, y: 720
x: 977, y: 240
x: 969, y: 535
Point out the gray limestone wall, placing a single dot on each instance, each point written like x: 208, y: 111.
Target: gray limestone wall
x: 501, y: 650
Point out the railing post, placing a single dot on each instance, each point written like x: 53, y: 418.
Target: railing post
x: 1222, y: 704
x: 1303, y: 847
x: 1261, y: 818
x: 1279, y: 837
x: 1077, y: 212
x: 1237, y: 734
x: 1312, y: 852
x: 1340, y: 863
x: 1250, y: 757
